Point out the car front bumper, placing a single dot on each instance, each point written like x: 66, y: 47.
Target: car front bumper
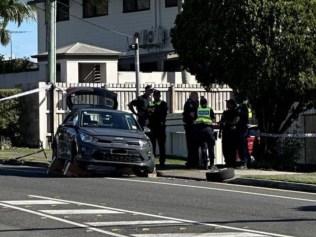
x: 116, y: 156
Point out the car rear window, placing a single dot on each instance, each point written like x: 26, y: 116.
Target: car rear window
x: 108, y: 119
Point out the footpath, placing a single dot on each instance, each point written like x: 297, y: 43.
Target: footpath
x: 242, y: 177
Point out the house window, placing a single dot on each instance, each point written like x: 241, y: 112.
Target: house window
x: 135, y: 5
x: 171, y: 3
x: 62, y: 10
x: 93, y: 8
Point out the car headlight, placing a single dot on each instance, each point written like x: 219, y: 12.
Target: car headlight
x: 87, y: 138
x: 143, y: 143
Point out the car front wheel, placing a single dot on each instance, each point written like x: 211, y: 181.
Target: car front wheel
x: 141, y: 172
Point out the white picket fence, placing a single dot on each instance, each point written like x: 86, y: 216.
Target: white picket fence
x: 174, y: 95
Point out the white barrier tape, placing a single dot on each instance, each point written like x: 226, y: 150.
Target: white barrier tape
x: 25, y: 93
x: 289, y: 135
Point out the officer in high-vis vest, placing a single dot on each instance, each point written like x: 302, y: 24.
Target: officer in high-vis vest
x: 203, y: 129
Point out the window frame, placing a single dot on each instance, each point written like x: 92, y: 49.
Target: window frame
x: 94, y: 14
x: 136, y: 7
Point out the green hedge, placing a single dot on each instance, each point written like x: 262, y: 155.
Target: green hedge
x: 10, y: 114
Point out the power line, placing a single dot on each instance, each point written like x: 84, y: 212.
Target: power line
x: 91, y: 23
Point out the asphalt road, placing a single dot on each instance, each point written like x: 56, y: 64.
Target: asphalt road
x: 33, y: 205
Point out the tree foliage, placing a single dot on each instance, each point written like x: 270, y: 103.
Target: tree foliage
x: 15, y: 65
x: 12, y: 11
x: 10, y: 111
x: 263, y: 49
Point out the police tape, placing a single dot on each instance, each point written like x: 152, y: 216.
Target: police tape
x: 47, y: 87
x: 288, y: 135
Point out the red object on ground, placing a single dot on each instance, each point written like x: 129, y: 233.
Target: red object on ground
x: 250, y: 143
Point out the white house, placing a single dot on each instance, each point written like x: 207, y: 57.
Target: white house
x: 111, y: 24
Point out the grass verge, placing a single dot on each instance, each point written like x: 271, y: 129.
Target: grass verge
x: 306, y: 178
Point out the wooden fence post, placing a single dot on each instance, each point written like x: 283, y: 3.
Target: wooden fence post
x: 42, y: 114
x: 171, y: 92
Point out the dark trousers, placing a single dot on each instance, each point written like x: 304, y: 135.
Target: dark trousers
x: 192, y: 159
x: 230, y: 142
x: 142, y: 121
x: 204, y: 134
x: 243, y: 147
x: 158, y: 134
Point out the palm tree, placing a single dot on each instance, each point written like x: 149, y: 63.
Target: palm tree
x: 15, y: 11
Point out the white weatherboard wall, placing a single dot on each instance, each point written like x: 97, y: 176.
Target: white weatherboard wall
x: 78, y: 30
x: 155, y: 77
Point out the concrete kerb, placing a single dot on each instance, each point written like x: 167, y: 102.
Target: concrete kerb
x: 274, y: 184
x: 200, y: 176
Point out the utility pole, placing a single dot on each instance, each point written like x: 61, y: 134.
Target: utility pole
x: 136, y: 37
x: 51, y: 10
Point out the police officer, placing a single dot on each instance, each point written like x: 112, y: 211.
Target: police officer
x: 189, y: 116
x: 141, y: 103
x: 157, y: 123
x: 230, y: 133
x: 204, y: 132
x: 243, y: 110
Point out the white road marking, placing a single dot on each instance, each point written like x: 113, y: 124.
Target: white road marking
x: 166, y: 217
x: 33, y: 202
x: 124, y: 223
x: 226, y: 234
x: 80, y: 211
x: 217, y: 189
x: 63, y: 220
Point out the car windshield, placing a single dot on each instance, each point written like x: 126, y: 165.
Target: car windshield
x: 108, y: 119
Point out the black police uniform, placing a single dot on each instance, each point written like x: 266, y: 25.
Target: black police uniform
x: 243, y: 131
x: 157, y: 124
x: 190, y: 106
x: 141, y: 103
x: 230, y: 136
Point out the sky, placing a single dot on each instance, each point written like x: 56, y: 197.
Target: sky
x: 24, y: 44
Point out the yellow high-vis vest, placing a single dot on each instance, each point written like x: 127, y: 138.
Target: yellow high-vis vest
x: 204, y: 116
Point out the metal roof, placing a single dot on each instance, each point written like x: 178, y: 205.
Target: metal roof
x: 81, y: 49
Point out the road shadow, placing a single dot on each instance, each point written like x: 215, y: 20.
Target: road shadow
x: 306, y: 208
x: 41, y: 172
x: 261, y: 221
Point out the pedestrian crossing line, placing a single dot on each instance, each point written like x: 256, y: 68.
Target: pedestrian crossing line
x: 34, y: 202
x: 222, y: 234
x: 231, y: 228
x: 80, y: 225
x: 79, y: 211
x: 127, y: 223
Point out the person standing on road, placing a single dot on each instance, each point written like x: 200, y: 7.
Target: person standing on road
x: 189, y: 116
x: 203, y: 132
x: 229, y: 133
x: 157, y: 123
x: 141, y: 103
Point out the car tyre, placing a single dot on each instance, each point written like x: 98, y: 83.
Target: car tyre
x: 141, y: 172
x: 55, y: 169
x: 219, y: 175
